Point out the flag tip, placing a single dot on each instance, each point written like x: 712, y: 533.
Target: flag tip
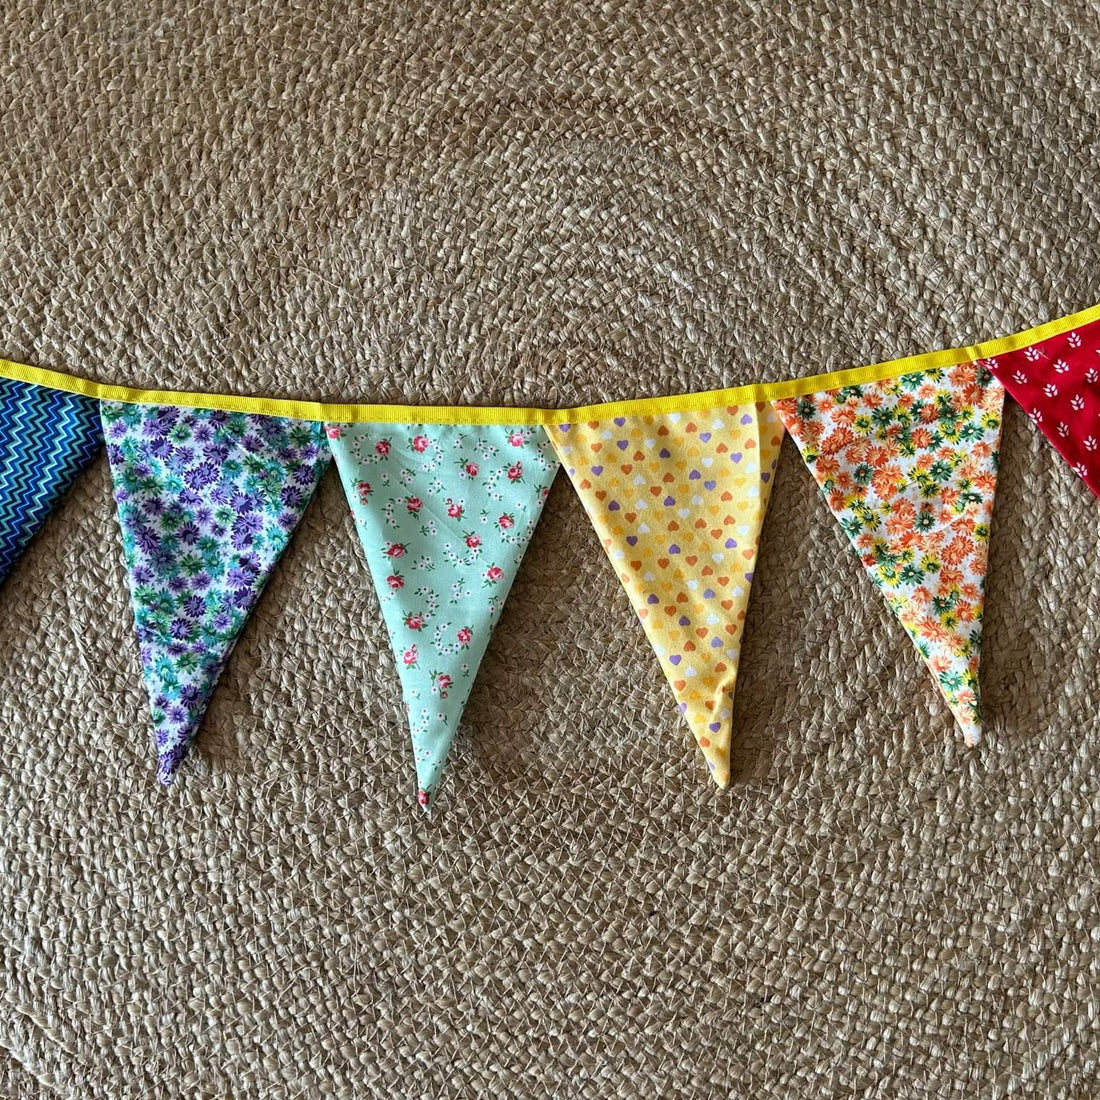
x: 720, y: 773
x: 970, y: 728
x: 168, y: 764
x: 424, y: 798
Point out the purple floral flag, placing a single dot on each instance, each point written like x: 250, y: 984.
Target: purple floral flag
x: 207, y: 501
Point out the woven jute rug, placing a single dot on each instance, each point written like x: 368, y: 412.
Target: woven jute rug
x: 549, y: 204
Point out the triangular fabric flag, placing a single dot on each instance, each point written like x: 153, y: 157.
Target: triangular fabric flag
x: 207, y: 501
x: 1057, y: 381
x: 678, y: 501
x: 909, y: 468
x: 445, y: 513
x: 46, y: 438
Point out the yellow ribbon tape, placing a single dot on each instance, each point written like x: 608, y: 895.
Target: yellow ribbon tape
x: 457, y: 414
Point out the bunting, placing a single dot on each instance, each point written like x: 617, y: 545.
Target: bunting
x: 1057, y: 381
x: 207, y: 502
x: 678, y: 501
x: 210, y: 488
x: 909, y: 468
x: 46, y: 438
x: 444, y: 513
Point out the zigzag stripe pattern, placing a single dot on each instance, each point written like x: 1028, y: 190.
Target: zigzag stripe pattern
x: 46, y: 438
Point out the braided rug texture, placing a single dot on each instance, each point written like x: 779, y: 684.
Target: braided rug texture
x: 549, y: 204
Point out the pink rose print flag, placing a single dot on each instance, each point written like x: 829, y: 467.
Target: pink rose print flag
x: 444, y: 513
x: 909, y: 468
x: 1057, y: 381
x: 207, y: 502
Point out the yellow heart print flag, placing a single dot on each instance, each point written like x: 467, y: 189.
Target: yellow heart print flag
x: 678, y: 500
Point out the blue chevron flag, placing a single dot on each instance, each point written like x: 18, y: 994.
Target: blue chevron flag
x: 46, y: 438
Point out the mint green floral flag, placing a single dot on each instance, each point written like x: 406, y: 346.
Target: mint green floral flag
x: 445, y: 513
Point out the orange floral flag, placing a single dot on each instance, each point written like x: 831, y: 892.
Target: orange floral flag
x: 678, y: 500
x: 909, y: 468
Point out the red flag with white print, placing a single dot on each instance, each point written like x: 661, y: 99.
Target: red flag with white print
x: 1057, y: 381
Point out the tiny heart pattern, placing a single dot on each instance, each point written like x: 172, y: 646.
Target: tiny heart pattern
x: 696, y: 572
